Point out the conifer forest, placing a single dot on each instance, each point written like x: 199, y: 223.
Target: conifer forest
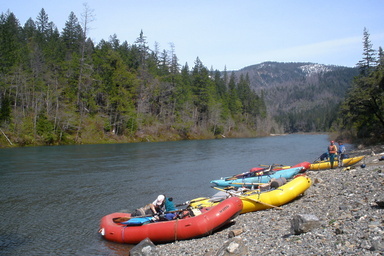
x: 59, y: 87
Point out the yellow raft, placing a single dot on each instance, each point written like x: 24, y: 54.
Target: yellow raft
x: 254, y: 200
x: 321, y: 165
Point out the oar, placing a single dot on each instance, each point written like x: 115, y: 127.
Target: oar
x: 316, y: 159
x: 250, y: 199
x: 122, y: 219
x: 249, y: 183
x: 188, y: 203
x: 273, y: 165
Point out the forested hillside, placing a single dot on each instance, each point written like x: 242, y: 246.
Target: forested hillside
x: 58, y: 87
x: 302, y: 97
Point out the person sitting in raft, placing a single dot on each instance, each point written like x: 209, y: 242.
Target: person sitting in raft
x: 169, y: 207
x: 157, y: 208
x: 154, y: 208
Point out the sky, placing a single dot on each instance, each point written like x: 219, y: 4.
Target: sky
x: 228, y: 34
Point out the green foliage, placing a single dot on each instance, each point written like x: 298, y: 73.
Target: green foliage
x: 10, y: 41
x: 131, y: 126
x: 63, y: 89
x: 45, y: 129
x: 363, y: 110
x: 5, y: 110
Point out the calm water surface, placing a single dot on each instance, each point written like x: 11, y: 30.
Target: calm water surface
x: 52, y: 198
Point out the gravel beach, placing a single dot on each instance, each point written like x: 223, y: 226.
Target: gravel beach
x: 347, y: 204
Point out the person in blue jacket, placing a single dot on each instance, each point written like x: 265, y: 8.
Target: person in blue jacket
x: 342, y: 153
x: 169, y: 207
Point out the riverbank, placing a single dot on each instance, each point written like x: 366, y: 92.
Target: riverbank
x: 9, y: 140
x: 343, y: 200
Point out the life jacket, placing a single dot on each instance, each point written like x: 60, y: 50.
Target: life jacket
x: 332, y: 149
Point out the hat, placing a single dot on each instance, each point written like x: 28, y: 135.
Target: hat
x: 160, y: 199
x: 332, y: 141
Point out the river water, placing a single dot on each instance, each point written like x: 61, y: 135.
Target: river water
x: 52, y: 198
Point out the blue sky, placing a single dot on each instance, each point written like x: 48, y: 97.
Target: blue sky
x: 231, y: 34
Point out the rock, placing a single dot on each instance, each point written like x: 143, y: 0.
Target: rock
x: 380, y: 203
x: 235, y: 232
x: 234, y: 246
x: 304, y: 223
x: 379, y: 200
x: 352, y: 222
x: 144, y: 248
x: 377, y: 244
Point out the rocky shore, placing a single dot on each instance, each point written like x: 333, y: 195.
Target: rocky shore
x: 346, y: 202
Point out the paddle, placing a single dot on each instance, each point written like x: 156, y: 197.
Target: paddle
x: 188, y: 203
x: 316, y: 160
x: 247, y: 198
x: 122, y: 219
x: 244, y: 183
x: 273, y: 165
x: 265, y: 170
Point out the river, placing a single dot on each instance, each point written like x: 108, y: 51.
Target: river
x: 52, y: 198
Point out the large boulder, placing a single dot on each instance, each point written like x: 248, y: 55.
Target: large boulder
x: 303, y: 223
x: 144, y: 248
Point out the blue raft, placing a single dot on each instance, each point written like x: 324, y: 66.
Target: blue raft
x: 264, y: 177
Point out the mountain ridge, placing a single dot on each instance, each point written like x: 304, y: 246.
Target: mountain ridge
x: 300, y: 94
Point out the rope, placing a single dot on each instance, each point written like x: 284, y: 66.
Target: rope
x: 122, y: 234
x: 176, y: 227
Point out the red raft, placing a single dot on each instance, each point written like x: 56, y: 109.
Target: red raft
x: 188, y: 227
x: 305, y: 165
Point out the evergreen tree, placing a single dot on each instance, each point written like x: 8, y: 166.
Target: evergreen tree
x: 142, y: 47
x: 363, y: 109
x: 42, y: 22
x: 10, y: 41
x: 72, y: 34
x: 202, y: 88
x: 234, y: 102
x: 369, y: 60
x: 381, y: 58
x: 5, y: 109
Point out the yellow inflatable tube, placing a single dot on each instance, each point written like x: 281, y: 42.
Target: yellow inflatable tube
x: 322, y: 165
x: 255, y: 200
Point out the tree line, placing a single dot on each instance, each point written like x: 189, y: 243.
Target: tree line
x: 361, y: 115
x: 61, y: 88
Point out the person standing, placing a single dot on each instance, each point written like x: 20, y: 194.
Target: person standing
x: 342, y: 153
x: 332, y: 151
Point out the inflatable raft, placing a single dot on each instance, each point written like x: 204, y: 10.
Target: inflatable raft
x: 203, y: 223
x: 254, y: 200
x: 305, y: 165
x: 256, y: 177
x: 321, y: 165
